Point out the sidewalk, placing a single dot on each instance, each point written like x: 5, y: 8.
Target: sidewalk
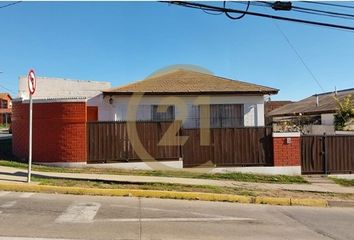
x: 19, y: 175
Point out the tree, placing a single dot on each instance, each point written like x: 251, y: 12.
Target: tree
x: 345, y: 113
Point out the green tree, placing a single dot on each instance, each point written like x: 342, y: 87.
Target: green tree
x: 345, y: 112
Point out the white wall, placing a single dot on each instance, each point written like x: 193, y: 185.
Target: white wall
x: 61, y: 88
x: 327, y: 119
x: 253, y: 107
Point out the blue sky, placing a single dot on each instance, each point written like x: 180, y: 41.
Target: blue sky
x: 122, y: 42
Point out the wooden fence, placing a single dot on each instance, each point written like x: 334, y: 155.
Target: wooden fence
x: 327, y: 154
x: 248, y: 146
x: 109, y: 142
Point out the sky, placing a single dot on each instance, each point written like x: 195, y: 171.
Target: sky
x: 121, y: 42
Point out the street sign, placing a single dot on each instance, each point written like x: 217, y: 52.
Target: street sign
x: 31, y: 89
x: 31, y: 82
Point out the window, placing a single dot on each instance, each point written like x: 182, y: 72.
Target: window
x: 226, y: 115
x: 168, y: 115
x: 3, y: 104
x: 6, y: 118
x: 221, y: 116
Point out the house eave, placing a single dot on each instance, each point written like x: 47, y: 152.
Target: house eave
x: 302, y: 113
x: 107, y: 93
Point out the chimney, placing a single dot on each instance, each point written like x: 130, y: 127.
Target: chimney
x: 317, y: 101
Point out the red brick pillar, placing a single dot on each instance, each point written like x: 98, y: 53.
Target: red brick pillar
x: 287, y: 149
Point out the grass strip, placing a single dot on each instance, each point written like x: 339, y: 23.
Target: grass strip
x: 344, y: 182
x: 232, y: 176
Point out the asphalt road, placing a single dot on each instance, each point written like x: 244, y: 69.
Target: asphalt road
x: 48, y: 216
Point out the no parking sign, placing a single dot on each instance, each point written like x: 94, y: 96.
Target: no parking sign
x: 31, y: 80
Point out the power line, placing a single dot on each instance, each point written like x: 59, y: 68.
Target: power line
x: 10, y: 4
x: 323, y: 14
x: 314, y: 11
x: 238, y: 17
x: 328, y: 4
x: 258, y: 14
x: 7, y: 89
x: 299, y: 56
x: 323, y: 11
x: 211, y: 13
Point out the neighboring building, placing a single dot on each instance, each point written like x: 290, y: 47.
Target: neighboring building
x: 66, y: 90
x: 5, y: 108
x: 316, y: 111
x: 61, y: 109
x: 270, y: 106
x: 232, y: 103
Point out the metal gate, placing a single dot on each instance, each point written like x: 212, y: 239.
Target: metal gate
x: 327, y: 154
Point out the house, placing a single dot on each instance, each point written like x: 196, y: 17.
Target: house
x: 61, y: 108
x: 5, y: 108
x: 315, y: 112
x: 232, y: 103
x: 84, y: 122
x: 270, y: 106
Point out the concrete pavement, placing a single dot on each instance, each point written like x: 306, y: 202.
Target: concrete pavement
x: 19, y: 175
x: 47, y: 216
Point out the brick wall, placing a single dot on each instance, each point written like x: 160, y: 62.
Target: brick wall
x: 285, y: 153
x: 59, y: 131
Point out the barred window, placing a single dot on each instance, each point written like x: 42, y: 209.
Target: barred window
x: 221, y: 116
x: 168, y: 115
x: 226, y: 115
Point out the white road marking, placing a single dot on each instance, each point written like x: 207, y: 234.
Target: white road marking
x: 210, y: 219
x: 8, y: 204
x: 26, y: 195
x: 3, y: 193
x: 79, y: 212
x: 25, y: 238
x: 171, y: 211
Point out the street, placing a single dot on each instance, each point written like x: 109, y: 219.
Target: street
x: 47, y: 216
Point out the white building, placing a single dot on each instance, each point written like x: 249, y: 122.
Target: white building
x: 60, y: 88
x: 182, y: 92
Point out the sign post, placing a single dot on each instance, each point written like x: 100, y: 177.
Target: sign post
x: 32, y: 89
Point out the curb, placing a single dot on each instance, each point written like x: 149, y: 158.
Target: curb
x: 24, y: 187
x: 340, y: 203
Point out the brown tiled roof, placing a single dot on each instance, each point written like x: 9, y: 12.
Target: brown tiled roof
x: 327, y: 104
x: 5, y: 95
x: 271, y: 105
x: 182, y: 81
